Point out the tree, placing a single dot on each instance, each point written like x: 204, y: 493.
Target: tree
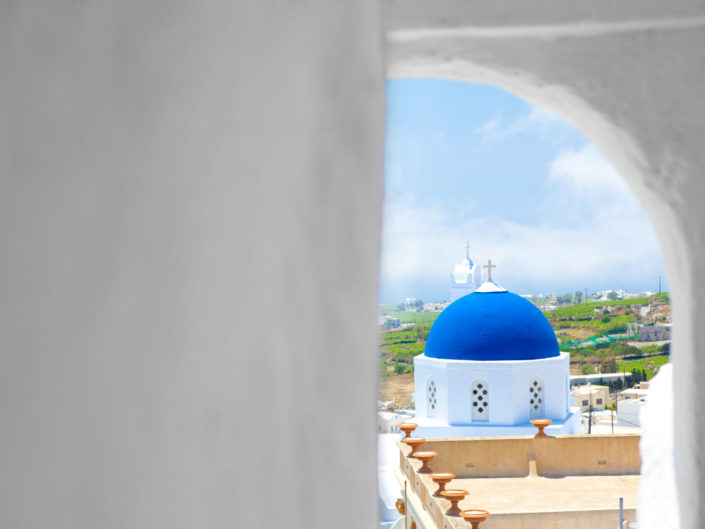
x: 612, y: 295
x: 587, y: 369
x: 564, y: 298
x: 637, y: 376
x: 616, y: 384
x: 421, y: 333
x: 589, y: 350
x: 578, y: 296
x: 608, y: 365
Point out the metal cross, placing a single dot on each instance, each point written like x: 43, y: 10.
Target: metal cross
x: 489, y: 267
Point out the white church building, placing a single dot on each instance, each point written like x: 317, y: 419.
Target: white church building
x: 491, y: 364
x: 466, y: 277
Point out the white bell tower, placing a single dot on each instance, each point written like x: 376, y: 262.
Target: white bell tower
x: 466, y: 276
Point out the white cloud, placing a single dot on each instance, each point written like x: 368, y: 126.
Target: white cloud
x: 588, y: 173
x: 585, y: 189
x: 607, y: 243
x: 538, y: 120
x: 491, y: 129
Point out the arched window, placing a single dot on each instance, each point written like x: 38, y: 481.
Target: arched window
x: 431, y: 400
x: 536, y: 401
x: 480, y: 400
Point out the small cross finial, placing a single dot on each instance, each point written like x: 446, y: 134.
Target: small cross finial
x: 467, y: 249
x: 489, y: 267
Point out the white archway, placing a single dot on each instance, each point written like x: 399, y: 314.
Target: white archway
x: 635, y: 106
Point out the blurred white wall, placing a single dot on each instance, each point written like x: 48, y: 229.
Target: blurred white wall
x: 183, y: 186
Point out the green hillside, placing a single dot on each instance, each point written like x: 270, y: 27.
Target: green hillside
x: 594, y: 334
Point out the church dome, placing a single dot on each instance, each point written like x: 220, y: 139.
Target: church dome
x: 491, y: 324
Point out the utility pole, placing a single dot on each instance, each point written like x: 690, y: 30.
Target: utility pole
x: 590, y: 416
x: 659, y: 284
x: 590, y: 413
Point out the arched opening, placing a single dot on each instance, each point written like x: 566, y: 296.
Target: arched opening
x: 537, y: 406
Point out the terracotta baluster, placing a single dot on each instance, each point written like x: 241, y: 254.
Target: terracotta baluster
x: 475, y: 517
x: 441, y: 478
x: 425, y: 457
x: 541, y: 424
x: 454, y: 496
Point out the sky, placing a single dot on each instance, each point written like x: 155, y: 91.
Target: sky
x: 523, y: 186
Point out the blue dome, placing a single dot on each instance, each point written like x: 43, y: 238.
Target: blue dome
x: 491, y: 326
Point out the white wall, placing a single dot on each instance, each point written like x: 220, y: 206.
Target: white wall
x: 628, y: 411
x: 423, y: 369
x: 507, y: 383
x: 183, y: 186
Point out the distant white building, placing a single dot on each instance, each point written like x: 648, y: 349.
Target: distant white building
x: 636, y: 393
x: 385, y: 322
x: 629, y: 404
x: 633, y: 295
x: 576, y: 380
x: 629, y: 412
x: 466, y: 277
x: 584, y: 397
x: 388, y: 421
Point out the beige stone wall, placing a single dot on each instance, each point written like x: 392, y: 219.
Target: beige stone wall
x: 482, y: 456
x: 560, y: 455
x: 587, y: 455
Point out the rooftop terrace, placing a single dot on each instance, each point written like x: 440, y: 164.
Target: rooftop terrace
x: 567, y: 482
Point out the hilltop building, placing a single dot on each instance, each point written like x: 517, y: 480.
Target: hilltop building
x: 466, y: 276
x: 591, y: 395
x: 630, y: 403
x: 491, y: 364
